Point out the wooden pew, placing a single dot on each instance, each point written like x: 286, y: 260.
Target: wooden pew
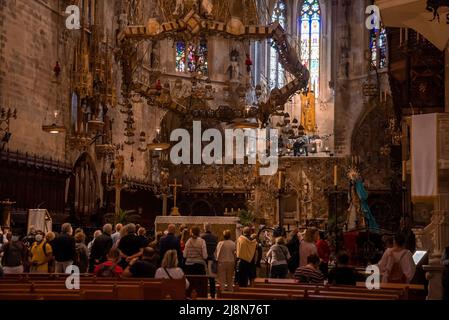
x: 99, y: 289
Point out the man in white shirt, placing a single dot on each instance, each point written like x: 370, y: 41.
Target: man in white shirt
x: 397, y: 265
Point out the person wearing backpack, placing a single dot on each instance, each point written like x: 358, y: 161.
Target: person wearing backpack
x: 15, y: 256
x: 41, y: 253
x: 110, y: 268
x: 278, y: 257
x: 397, y: 265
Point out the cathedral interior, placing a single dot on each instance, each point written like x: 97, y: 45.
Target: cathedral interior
x: 92, y: 92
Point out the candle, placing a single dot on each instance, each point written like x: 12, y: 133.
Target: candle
x: 404, y: 171
x: 280, y: 180
x: 335, y: 175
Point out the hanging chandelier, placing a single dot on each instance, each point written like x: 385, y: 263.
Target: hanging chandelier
x: 53, y: 123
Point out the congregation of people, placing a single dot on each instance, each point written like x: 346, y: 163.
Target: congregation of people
x: 127, y: 251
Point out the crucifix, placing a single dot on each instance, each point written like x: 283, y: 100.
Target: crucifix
x: 175, y: 210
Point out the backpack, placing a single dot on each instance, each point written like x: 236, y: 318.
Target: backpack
x: 396, y: 273
x: 107, y: 271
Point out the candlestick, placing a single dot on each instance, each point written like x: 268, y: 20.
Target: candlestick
x: 404, y: 171
x: 335, y: 175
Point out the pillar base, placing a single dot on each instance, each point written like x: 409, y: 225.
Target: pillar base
x: 434, y: 273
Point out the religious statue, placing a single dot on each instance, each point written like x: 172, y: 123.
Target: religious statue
x: 308, y: 118
x: 179, y: 10
x: 207, y: 7
x: 360, y: 215
x: 234, y: 67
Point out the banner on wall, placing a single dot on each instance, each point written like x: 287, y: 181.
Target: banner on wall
x: 424, y: 155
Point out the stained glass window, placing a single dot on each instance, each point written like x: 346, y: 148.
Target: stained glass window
x: 310, y: 29
x: 277, y: 73
x: 192, y: 57
x: 378, y: 47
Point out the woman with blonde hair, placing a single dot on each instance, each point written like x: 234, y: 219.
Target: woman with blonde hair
x: 307, y: 246
x: 278, y: 257
x: 169, y: 268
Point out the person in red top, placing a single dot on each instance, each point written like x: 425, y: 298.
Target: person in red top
x: 110, y: 269
x: 324, y: 253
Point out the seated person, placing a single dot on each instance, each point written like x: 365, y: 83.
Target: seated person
x: 169, y: 268
x: 110, y: 268
x: 343, y: 274
x: 145, y: 268
x: 310, y: 273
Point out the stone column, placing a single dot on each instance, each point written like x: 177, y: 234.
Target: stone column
x: 440, y: 237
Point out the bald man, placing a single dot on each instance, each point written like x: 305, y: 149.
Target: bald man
x: 170, y: 242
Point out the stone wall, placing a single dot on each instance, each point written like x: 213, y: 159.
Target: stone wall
x: 28, y: 42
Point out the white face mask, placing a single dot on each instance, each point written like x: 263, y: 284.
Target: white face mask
x: 39, y: 238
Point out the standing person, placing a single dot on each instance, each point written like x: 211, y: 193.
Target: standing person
x: 170, y: 242
x: 293, y: 249
x: 130, y: 246
x: 169, y: 268
x: 64, y: 249
x: 310, y: 273
x: 246, y: 255
x: 445, y: 262
x: 142, y: 235
x: 97, y: 233
x: 185, y: 236
x: 3, y: 239
x: 397, y: 265
x: 49, y: 238
x: 278, y: 256
x: 101, y: 246
x: 195, y: 254
x: 116, y: 235
x: 145, y: 268
x: 211, y: 245
x: 15, y: 255
x: 81, y: 258
x: 324, y: 252
x: 225, y: 255
x: 307, y: 246
x: 41, y: 254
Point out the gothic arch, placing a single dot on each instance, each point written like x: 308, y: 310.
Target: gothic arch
x: 83, y: 193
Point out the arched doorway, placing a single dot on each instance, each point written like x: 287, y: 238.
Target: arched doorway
x: 82, y: 197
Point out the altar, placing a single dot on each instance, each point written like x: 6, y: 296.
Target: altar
x: 219, y: 224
